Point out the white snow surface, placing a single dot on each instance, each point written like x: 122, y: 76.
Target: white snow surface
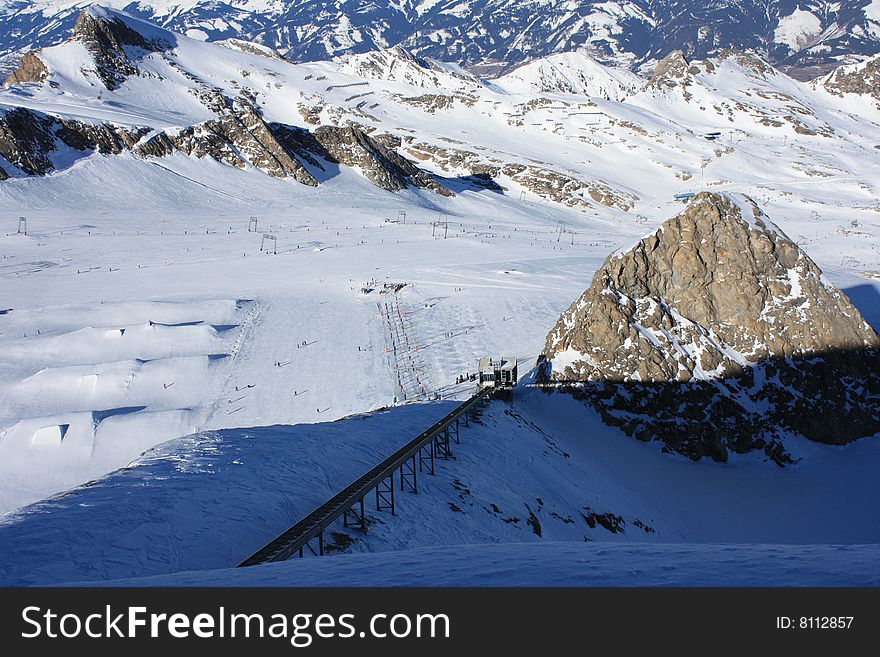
x: 571, y: 73
x: 561, y: 564
x: 139, y: 309
x: 796, y: 29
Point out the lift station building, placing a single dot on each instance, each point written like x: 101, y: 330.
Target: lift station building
x: 497, y: 372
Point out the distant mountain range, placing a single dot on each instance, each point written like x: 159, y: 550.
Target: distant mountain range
x: 804, y: 38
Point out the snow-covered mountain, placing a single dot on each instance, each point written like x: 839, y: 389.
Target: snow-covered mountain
x: 232, y: 283
x: 806, y: 38
x: 571, y: 73
x: 120, y: 84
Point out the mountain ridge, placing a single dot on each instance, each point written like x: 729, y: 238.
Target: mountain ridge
x: 807, y: 39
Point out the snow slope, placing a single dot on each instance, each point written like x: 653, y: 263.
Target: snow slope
x: 561, y: 564
x: 572, y: 73
x: 210, y: 500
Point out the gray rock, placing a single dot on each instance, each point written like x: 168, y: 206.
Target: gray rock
x: 381, y: 165
x: 114, y: 46
x: 28, y: 138
x: 863, y: 80
x: 240, y: 125
x: 30, y: 69
x: 718, y: 332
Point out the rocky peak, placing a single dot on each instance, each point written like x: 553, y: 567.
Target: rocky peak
x: 720, y: 303
x: 672, y: 70
x: 115, y: 44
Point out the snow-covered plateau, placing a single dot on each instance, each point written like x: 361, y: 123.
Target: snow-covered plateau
x: 196, y: 323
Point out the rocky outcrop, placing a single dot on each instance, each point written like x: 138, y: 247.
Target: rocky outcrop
x: 672, y: 71
x: 30, y: 69
x: 240, y: 125
x: 381, y: 165
x: 114, y: 45
x: 28, y: 139
x: 563, y: 187
x: 862, y: 79
x: 568, y: 189
x: 718, y: 333
x: 302, y: 144
x: 251, y: 48
x: 238, y: 137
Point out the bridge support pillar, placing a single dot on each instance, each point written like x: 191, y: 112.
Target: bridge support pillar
x: 426, y: 457
x: 385, y: 494
x: 408, y: 475
x: 359, y: 519
x: 441, y: 442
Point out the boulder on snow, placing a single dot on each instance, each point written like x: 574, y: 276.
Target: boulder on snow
x: 717, y: 332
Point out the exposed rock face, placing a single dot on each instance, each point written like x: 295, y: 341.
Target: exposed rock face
x: 238, y: 137
x: 239, y: 125
x: 30, y: 69
x: 114, y: 45
x: 382, y: 166
x: 565, y: 188
x: 672, y: 70
x: 863, y: 79
x: 252, y: 48
x: 568, y: 189
x: 28, y: 139
x: 432, y: 103
x: 717, y: 332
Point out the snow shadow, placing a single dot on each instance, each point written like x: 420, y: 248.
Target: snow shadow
x: 100, y: 416
x: 472, y: 183
x: 203, y: 501
x: 830, y: 397
x: 866, y: 298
